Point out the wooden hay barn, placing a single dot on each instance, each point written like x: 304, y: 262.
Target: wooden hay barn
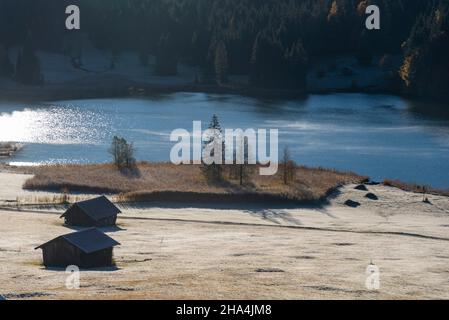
x: 98, y: 212
x: 89, y: 248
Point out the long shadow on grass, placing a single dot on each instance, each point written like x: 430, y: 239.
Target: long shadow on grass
x: 275, y: 213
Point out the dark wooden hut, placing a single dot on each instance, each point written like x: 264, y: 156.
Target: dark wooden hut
x: 89, y: 248
x: 98, y: 212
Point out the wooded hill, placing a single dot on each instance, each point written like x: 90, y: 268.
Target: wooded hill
x: 271, y: 40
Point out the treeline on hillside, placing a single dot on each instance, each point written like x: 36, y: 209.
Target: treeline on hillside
x: 271, y: 40
x: 425, y: 69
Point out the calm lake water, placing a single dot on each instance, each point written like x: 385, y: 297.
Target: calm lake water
x: 377, y: 135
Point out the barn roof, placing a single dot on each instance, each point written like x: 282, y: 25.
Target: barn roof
x: 88, y: 240
x: 97, y: 208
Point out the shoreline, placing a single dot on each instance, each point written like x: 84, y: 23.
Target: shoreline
x: 96, y: 87
x: 152, y: 181
x: 117, y: 86
x: 164, y: 182
x: 194, y: 195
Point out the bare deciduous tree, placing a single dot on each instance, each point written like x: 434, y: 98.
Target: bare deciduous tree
x: 288, y: 167
x: 122, y: 153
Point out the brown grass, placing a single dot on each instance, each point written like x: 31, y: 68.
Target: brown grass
x: 413, y: 187
x: 165, y: 181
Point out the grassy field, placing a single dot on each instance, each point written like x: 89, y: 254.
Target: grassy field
x: 162, y: 180
x: 246, y: 252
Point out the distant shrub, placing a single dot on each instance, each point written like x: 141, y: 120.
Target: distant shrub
x: 122, y: 153
x: 288, y: 167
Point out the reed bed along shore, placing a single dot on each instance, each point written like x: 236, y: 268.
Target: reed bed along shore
x: 164, y: 181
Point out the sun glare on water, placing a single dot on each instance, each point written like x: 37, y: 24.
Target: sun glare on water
x: 54, y: 125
